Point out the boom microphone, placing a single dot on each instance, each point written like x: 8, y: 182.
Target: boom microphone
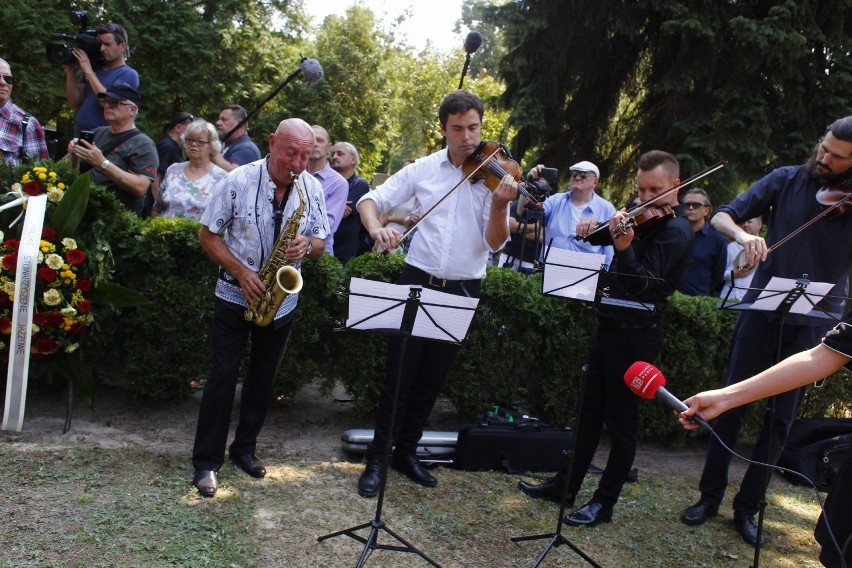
x: 311, y: 70
x: 646, y: 381
x: 472, y: 42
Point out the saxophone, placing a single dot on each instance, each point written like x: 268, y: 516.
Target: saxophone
x: 278, y: 275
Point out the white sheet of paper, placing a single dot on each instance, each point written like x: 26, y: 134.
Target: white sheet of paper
x: 778, y: 289
x: 367, y: 298
x: 571, y: 274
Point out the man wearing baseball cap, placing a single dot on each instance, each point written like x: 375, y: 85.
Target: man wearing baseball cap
x: 563, y: 211
x: 120, y: 157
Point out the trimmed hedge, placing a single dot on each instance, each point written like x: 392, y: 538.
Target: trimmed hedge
x: 523, y: 348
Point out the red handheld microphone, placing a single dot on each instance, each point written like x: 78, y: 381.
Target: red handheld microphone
x: 646, y: 381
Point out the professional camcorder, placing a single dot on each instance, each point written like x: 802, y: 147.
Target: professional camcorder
x: 86, y: 39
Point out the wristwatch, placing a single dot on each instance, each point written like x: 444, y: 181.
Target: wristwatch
x: 105, y: 164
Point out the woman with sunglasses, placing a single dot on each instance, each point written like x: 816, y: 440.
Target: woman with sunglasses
x: 187, y: 186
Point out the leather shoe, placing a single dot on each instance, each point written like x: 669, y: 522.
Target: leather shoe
x: 371, y: 477
x: 206, y: 483
x: 747, y: 527
x: 414, y: 470
x: 700, y: 512
x: 549, y: 489
x: 589, y: 515
x: 250, y: 464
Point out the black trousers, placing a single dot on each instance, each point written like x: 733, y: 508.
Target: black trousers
x: 424, y: 372
x: 230, y: 334
x: 754, y: 348
x: 608, y: 401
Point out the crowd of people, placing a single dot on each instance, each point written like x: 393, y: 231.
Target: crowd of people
x: 305, y: 199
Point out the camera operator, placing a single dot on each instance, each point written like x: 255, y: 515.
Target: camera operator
x: 563, y: 212
x: 21, y: 135
x: 83, y: 93
x: 526, y: 232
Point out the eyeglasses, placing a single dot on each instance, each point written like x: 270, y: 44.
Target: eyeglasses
x: 192, y: 141
x: 109, y: 103
x: 693, y: 205
x: 581, y: 175
x: 9, y: 79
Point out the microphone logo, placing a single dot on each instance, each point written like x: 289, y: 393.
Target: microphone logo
x: 643, y: 378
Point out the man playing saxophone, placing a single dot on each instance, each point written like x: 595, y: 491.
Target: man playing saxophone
x: 259, y: 215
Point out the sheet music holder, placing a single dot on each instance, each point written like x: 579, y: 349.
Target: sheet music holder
x: 786, y: 296
x: 379, y: 307
x: 576, y: 275
x: 405, y: 311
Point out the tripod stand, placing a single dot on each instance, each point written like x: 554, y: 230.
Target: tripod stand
x: 381, y: 302
x: 517, y: 254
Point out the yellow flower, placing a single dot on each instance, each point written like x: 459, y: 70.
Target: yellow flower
x: 52, y: 175
x: 42, y: 176
x: 60, y: 185
x: 47, y: 247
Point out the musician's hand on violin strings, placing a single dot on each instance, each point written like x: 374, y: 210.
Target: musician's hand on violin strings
x: 621, y: 230
x: 505, y: 192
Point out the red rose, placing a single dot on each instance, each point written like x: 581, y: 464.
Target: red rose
x: 84, y: 284
x: 45, y: 345
x: 48, y: 234
x: 40, y: 318
x: 46, y: 274
x: 78, y: 328
x: 84, y: 306
x: 10, y: 261
x: 12, y: 244
x: 5, y: 326
x: 54, y: 319
x: 75, y: 256
x: 32, y: 188
x: 4, y: 299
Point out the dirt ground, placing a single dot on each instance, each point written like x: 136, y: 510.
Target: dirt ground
x: 308, y: 430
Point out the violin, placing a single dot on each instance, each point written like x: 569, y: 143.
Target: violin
x: 644, y: 219
x: 497, y: 165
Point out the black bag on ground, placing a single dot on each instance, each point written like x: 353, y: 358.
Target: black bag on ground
x: 514, y: 447
x: 816, y: 447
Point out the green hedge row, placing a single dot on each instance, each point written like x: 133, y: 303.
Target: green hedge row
x: 523, y: 349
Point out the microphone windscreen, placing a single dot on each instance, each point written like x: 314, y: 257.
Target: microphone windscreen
x: 644, y: 379
x: 311, y: 69
x: 472, y: 42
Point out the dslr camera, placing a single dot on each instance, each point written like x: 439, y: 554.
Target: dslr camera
x: 85, y: 39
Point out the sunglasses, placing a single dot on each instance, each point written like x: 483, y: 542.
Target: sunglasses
x: 581, y: 175
x: 693, y: 205
x: 9, y: 79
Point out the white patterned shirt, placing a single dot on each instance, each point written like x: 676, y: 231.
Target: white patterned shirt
x: 450, y: 241
x: 241, y: 208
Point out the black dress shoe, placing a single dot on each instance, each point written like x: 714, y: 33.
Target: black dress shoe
x: 250, y: 464
x: 747, y: 527
x: 371, y: 477
x: 549, y: 489
x: 589, y: 515
x: 206, y: 483
x: 700, y: 512
x: 413, y: 469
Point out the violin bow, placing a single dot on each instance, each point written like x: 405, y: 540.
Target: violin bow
x: 409, y: 230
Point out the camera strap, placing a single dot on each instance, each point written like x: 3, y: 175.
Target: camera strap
x: 25, y: 122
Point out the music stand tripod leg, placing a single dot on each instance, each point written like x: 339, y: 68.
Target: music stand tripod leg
x: 371, y: 543
x: 557, y: 539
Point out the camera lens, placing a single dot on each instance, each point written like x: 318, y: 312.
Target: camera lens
x: 58, y: 54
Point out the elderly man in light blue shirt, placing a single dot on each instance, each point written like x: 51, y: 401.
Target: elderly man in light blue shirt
x: 563, y: 211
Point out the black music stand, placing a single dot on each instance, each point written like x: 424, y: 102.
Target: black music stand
x: 385, y: 308
x: 782, y: 296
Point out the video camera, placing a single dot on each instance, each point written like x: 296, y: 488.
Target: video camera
x: 86, y: 39
x: 541, y: 190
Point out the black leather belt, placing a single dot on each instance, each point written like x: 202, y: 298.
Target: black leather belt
x: 438, y: 282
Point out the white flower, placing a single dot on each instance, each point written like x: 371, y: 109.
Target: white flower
x: 35, y: 329
x: 68, y: 311
x: 52, y: 297
x: 9, y: 287
x: 40, y: 257
x: 72, y: 347
x: 17, y: 188
x: 2, y: 236
x: 54, y: 261
x: 68, y: 243
x: 54, y: 194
